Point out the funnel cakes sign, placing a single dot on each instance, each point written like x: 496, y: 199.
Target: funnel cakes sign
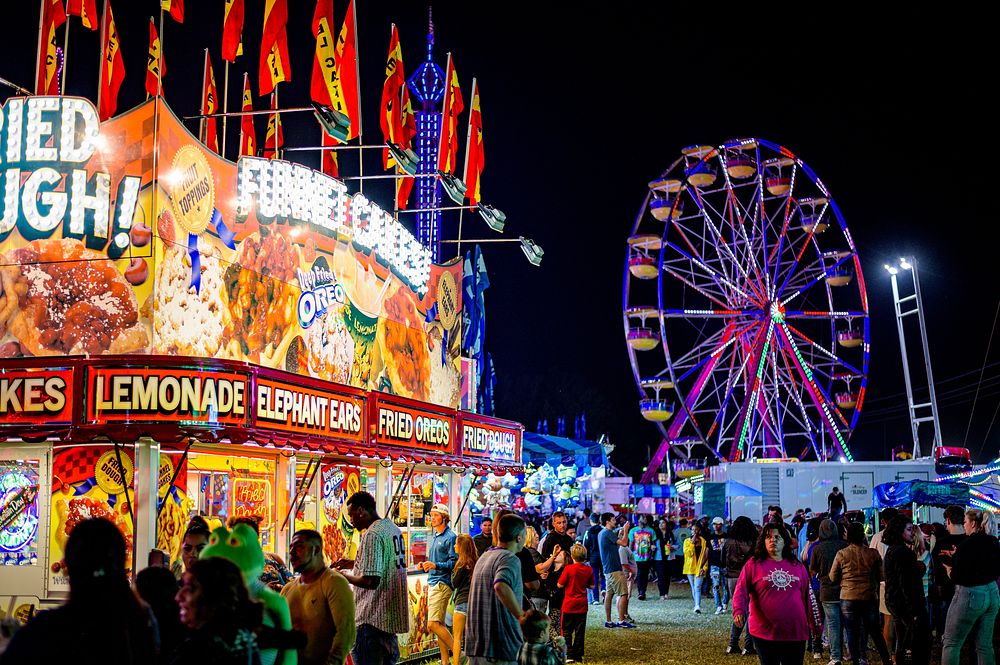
x: 262, y: 261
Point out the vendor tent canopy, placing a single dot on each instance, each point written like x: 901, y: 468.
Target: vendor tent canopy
x: 922, y: 493
x: 541, y: 448
x: 653, y: 491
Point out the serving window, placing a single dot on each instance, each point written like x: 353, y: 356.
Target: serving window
x: 412, y: 508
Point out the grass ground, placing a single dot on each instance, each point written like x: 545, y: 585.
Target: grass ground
x: 668, y: 632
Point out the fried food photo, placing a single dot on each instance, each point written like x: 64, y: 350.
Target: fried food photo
x: 261, y: 292
x: 61, y: 298
x: 404, y: 346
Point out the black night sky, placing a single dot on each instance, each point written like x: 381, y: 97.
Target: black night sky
x: 583, y: 105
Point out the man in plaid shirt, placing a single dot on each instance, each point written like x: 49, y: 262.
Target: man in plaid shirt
x: 493, y: 635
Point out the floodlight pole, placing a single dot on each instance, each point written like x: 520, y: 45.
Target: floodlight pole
x: 910, y: 265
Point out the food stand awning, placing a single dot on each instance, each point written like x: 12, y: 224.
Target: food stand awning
x: 556, y: 450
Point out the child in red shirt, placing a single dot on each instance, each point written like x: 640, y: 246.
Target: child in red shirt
x: 575, y: 578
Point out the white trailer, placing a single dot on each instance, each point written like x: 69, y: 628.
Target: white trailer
x: 794, y: 485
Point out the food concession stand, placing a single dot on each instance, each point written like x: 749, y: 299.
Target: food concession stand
x: 181, y: 335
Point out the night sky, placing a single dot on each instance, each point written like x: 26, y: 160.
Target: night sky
x: 582, y: 107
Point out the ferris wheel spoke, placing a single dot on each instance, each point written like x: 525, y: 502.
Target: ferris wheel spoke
x: 746, y: 411
x: 826, y: 273
x: 821, y: 400
x: 795, y: 393
x: 719, y: 279
x: 717, y: 297
x: 697, y: 357
x: 749, y: 249
x: 809, y: 238
x: 719, y: 241
x: 775, y: 254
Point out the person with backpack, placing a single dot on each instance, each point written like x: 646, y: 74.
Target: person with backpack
x: 736, y: 551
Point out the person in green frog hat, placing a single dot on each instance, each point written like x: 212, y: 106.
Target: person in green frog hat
x: 242, y: 547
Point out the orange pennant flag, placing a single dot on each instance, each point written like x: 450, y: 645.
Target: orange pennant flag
x: 474, y: 156
x: 209, y: 105
x: 47, y: 71
x: 404, y: 183
x: 112, y: 67
x: 86, y: 10
x: 275, y: 66
x: 450, y: 110
x: 329, y: 164
x: 248, y: 136
x: 232, y: 30
x: 390, y: 117
x: 348, y: 103
x: 175, y: 8
x: 156, y: 67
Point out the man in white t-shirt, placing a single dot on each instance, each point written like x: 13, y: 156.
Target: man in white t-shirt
x: 379, y: 578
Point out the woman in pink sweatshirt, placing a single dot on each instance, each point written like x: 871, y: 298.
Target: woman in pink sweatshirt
x: 774, y: 589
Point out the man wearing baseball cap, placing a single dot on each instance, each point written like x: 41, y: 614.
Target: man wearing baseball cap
x: 716, y: 539
x: 441, y: 560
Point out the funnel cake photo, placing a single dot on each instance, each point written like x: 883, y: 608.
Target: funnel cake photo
x: 60, y: 298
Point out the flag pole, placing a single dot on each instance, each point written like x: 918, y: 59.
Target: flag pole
x: 100, y: 60
x: 204, y: 82
x: 277, y: 123
x: 62, y: 82
x: 41, y: 38
x: 225, y: 106
x: 241, y: 117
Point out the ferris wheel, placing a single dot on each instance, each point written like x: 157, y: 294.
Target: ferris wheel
x: 745, y: 311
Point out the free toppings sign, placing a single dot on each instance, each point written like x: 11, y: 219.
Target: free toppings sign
x: 292, y: 408
x: 117, y: 395
x: 400, y: 425
x: 36, y: 396
x: 488, y: 440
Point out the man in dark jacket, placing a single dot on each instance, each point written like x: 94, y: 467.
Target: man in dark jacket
x: 904, y: 593
x: 594, y: 557
x: 820, y: 563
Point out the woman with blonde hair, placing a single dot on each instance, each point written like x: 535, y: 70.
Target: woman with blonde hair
x: 973, y: 610
x: 461, y: 577
x: 539, y: 597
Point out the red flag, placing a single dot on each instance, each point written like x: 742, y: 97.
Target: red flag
x: 112, y: 68
x: 156, y: 66
x: 175, y: 7
x: 86, y: 10
x: 329, y: 164
x: 209, y: 105
x: 450, y: 110
x: 275, y: 66
x: 47, y: 71
x: 474, y: 156
x: 404, y: 184
x: 275, y: 139
x: 232, y: 30
x: 248, y: 136
x: 347, y: 73
x: 324, y: 72
x: 390, y: 117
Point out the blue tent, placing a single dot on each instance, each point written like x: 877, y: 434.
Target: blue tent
x: 652, y: 491
x: 541, y: 448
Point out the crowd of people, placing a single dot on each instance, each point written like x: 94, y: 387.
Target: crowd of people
x: 520, y: 591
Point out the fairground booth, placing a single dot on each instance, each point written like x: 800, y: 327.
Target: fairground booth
x: 182, y: 335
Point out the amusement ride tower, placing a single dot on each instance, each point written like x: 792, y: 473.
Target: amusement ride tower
x: 428, y: 86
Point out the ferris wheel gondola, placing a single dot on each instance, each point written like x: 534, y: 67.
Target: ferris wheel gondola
x: 761, y: 311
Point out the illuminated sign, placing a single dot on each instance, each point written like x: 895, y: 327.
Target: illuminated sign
x: 400, y: 425
x: 493, y: 441
x: 36, y: 396
x: 45, y: 146
x: 292, y: 408
x: 285, y: 193
x: 252, y: 497
x: 141, y: 394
